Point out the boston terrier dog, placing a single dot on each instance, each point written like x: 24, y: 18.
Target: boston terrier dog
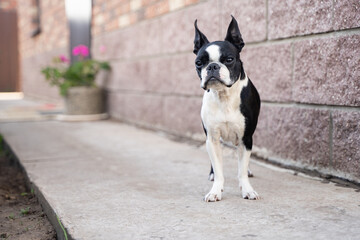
x: 230, y: 107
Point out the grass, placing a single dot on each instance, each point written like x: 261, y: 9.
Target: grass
x: 23, y: 194
x: 11, y: 216
x: 25, y: 211
x: 62, y: 227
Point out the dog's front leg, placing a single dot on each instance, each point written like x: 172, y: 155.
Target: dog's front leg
x: 244, y: 183
x: 215, y: 153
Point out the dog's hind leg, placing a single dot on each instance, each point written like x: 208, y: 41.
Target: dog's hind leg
x: 250, y: 173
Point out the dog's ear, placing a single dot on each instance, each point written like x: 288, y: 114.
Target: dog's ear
x: 200, y: 39
x: 233, y: 35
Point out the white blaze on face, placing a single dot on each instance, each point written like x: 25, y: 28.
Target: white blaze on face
x: 214, y: 57
x: 214, y: 53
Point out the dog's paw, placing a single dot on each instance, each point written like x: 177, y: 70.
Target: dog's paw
x: 215, y: 194
x: 251, y: 195
x: 248, y: 192
x: 212, y: 197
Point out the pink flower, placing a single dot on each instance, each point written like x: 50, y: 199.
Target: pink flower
x: 64, y: 59
x: 102, y: 49
x: 81, y: 50
x: 76, y: 51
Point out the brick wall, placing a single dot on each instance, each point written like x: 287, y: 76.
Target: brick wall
x: 7, y: 5
x: 303, y: 56
x: 38, y: 51
x: 110, y: 15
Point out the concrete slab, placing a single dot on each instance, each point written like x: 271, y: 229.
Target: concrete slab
x: 106, y: 180
x: 13, y: 108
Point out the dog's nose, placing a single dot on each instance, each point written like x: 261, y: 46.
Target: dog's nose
x: 213, y: 67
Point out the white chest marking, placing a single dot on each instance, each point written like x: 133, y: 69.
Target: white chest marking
x: 220, y: 113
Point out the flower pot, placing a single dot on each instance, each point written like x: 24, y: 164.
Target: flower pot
x: 84, y: 101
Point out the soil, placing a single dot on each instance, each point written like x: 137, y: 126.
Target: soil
x: 21, y: 216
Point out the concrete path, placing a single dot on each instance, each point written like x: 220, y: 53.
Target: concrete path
x: 106, y: 180
x: 13, y: 108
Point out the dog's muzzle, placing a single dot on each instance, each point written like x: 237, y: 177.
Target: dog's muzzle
x: 213, y: 75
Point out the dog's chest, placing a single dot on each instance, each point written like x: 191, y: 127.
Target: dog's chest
x: 222, y: 117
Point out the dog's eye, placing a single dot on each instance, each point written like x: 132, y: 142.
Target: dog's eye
x: 229, y: 60
x: 198, y: 63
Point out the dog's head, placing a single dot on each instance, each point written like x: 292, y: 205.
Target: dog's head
x: 218, y: 63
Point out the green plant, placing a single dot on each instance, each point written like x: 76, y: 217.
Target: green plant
x: 25, y: 211
x: 62, y: 227
x: 81, y: 73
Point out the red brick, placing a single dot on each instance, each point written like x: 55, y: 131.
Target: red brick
x: 8, y: 4
x: 295, y: 133
x: 327, y: 71
x: 96, y: 10
x: 176, y: 4
x: 112, y: 25
x: 251, y: 17
x: 148, y: 2
x: 55, y: 23
x: 270, y: 69
x: 346, y: 14
x: 157, y: 9
x: 346, y: 143
x: 122, y: 8
x: 190, y: 2
x: 298, y: 17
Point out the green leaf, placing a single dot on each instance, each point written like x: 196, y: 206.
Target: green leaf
x: 25, y: 211
x: 105, y: 65
x: 82, y: 73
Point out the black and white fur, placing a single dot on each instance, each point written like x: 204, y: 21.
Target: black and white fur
x: 230, y: 108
